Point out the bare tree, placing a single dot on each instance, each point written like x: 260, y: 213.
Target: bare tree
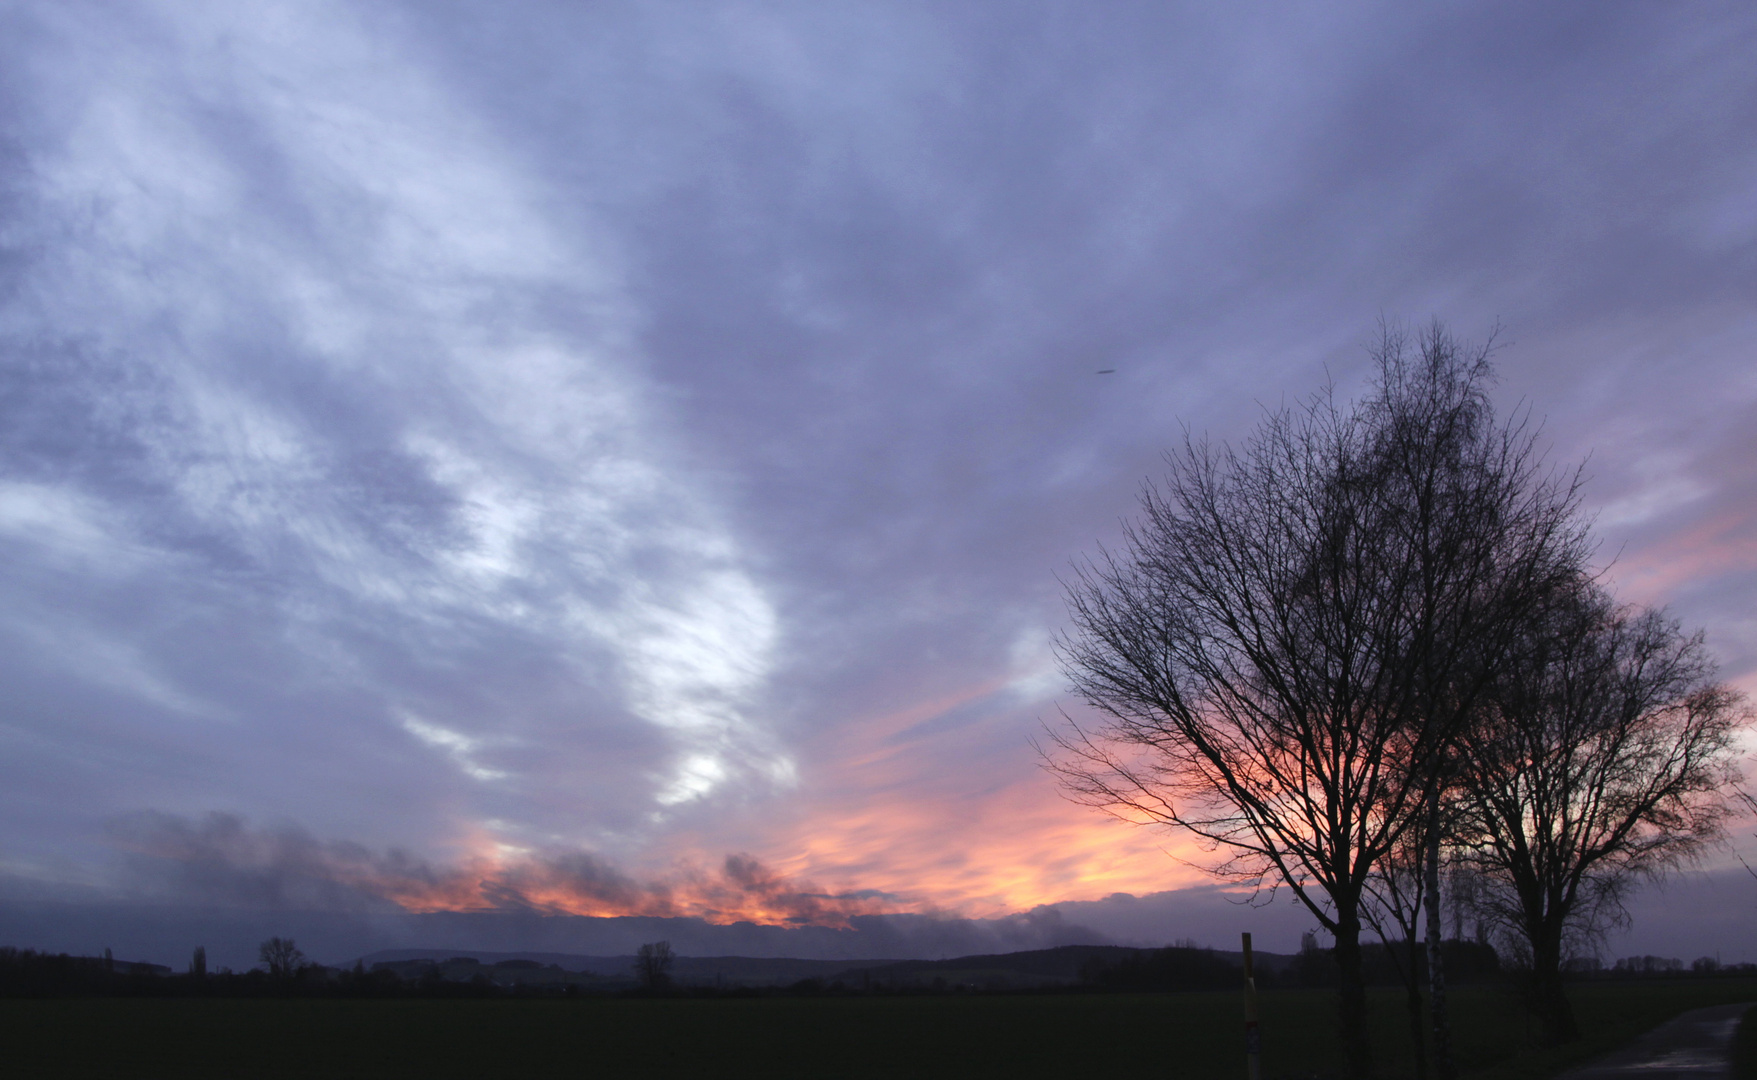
x: 1606, y: 755
x: 1478, y: 541
x: 281, y: 957
x: 1398, y: 893
x: 652, y: 965
x: 1284, y: 646
x: 1392, y: 907
x: 1749, y: 802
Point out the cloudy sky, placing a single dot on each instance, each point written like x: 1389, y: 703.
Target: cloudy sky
x: 456, y: 455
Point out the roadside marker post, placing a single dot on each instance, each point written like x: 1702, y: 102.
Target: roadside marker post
x: 1253, y: 1037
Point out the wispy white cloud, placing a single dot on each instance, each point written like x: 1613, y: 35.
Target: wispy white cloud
x: 333, y: 268
x: 463, y: 749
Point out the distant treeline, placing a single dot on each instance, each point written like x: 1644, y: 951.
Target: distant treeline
x: 1188, y: 967
x: 27, y: 973
x: 1080, y: 968
x: 1475, y: 961
x: 1641, y: 967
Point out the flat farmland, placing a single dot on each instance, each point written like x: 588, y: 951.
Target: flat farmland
x: 1188, y: 1035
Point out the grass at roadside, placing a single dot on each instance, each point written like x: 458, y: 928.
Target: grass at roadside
x: 1191, y: 1035
x: 1610, y: 1015
x: 1493, y: 1036
x: 1745, y: 1048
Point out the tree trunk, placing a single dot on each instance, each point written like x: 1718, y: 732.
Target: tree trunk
x: 1412, y: 999
x: 1444, y: 1068
x: 1351, y: 995
x: 1555, y: 1014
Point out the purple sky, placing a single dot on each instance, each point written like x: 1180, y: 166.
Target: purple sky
x: 476, y: 454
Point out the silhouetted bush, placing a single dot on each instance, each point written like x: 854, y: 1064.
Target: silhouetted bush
x: 1465, y: 962
x: 1176, y: 967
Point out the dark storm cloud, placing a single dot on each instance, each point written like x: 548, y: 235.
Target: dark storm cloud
x: 654, y: 430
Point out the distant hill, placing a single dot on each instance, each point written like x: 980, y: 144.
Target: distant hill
x: 685, y: 970
x: 166, y: 933
x: 1065, y: 965
x: 998, y: 971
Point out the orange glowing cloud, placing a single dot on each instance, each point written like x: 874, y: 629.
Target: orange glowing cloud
x: 925, y: 809
x: 912, y: 810
x: 1005, y: 851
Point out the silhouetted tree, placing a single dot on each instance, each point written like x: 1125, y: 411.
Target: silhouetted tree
x: 1393, y: 907
x: 1291, y: 633
x: 1746, y: 799
x: 281, y: 957
x: 1606, y: 754
x: 652, y: 965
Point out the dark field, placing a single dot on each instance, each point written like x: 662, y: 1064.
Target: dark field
x: 1194, y: 1035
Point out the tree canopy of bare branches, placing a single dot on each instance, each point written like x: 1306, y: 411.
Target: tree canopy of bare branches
x: 1290, y: 634
x: 1604, y: 754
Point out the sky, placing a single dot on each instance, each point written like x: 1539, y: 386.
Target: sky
x: 617, y: 459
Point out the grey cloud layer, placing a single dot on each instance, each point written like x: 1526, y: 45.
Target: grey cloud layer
x: 221, y: 862
x: 445, y: 427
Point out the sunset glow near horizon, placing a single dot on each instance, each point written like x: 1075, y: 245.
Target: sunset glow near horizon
x: 619, y: 461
